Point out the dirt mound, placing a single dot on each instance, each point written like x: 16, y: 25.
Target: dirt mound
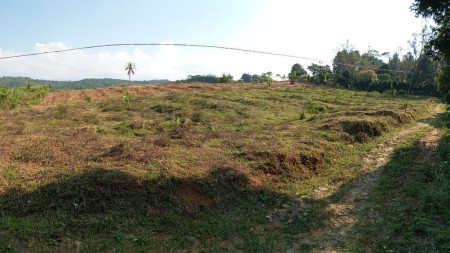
x: 191, y: 197
x: 293, y: 165
x: 400, y: 117
x: 361, y: 130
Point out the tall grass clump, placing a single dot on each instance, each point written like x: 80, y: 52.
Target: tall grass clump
x: 15, y: 97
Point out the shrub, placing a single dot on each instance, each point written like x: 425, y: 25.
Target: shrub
x: 126, y: 98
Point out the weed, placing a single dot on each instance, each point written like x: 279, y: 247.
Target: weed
x: 315, y: 107
x: 126, y: 98
x: 302, y: 116
x: 90, y: 118
x: 13, y: 98
x: 197, y: 117
x: 101, y: 130
x: 329, y: 136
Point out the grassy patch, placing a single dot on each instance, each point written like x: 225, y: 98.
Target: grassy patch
x: 195, y: 170
x: 15, y: 97
x: 409, y: 210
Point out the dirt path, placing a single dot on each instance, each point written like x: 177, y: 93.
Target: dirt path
x: 344, y: 213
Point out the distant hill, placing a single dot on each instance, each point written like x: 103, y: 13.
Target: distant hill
x: 14, y: 82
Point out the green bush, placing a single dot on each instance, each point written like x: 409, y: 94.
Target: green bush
x: 13, y: 98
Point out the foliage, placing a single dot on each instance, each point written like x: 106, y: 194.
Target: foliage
x: 350, y: 69
x: 200, y: 79
x: 226, y: 78
x: 385, y: 78
x: 344, y: 66
x: 444, y: 82
x: 371, y: 58
x: 15, y: 97
x: 439, y: 43
x: 246, y: 78
x: 366, y: 76
x: 126, y: 98
x: 282, y: 77
x: 320, y: 74
x: 293, y: 77
x: 15, y: 82
x: 300, y: 71
x: 266, y: 78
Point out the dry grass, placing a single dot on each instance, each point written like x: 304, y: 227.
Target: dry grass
x: 180, y: 162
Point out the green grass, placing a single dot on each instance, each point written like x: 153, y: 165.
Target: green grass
x: 410, y: 208
x: 196, y: 170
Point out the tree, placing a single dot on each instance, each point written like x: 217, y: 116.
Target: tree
x: 130, y: 68
x: 282, y: 77
x: 263, y: 78
x: 345, y: 65
x: 256, y: 78
x: 299, y: 70
x: 384, y: 78
x: 320, y: 74
x: 424, y: 69
x: 226, y: 78
x: 202, y: 79
x: 268, y: 77
x: 444, y: 83
x: 366, y: 76
x: 439, y: 42
x: 438, y: 45
x: 292, y: 77
x: 371, y: 58
x: 246, y: 78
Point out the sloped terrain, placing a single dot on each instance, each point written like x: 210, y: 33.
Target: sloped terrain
x: 183, y: 167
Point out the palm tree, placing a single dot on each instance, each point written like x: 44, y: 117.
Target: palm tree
x: 130, y: 68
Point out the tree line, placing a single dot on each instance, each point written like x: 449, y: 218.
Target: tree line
x: 14, y: 82
x: 410, y: 71
x: 413, y: 71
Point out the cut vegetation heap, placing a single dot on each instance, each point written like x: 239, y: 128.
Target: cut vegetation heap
x: 196, y: 166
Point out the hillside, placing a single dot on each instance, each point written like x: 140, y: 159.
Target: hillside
x: 229, y: 167
x: 14, y: 82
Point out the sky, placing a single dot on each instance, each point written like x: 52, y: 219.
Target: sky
x: 305, y: 28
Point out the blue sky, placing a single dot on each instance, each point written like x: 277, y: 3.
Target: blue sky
x: 99, y: 21
x: 306, y: 28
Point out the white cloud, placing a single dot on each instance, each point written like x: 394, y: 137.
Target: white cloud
x: 73, y: 65
x: 164, y: 62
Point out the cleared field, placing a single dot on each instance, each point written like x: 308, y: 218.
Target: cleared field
x: 183, y: 167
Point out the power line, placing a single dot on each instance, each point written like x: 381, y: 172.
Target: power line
x: 194, y: 45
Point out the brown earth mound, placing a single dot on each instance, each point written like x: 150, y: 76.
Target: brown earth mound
x: 296, y: 166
